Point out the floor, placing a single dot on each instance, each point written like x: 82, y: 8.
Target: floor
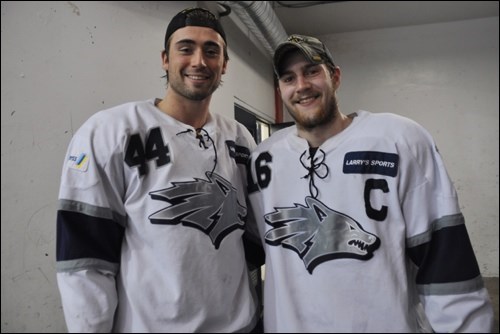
x: 492, y: 286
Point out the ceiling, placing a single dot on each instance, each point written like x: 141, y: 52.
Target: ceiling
x: 346, y: 16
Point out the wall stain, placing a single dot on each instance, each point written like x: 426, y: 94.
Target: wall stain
x: 75, y: 8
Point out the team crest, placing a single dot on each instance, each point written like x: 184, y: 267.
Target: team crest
x: 208, y: 205
x: 319, y: 234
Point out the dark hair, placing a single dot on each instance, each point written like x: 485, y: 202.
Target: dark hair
x: 196, y: 16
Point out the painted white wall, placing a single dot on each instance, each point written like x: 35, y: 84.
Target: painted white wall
x: 63, y: 61
x: 249, y: 78
x: 444, y: 76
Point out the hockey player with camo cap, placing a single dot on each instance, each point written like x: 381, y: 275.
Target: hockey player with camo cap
x: 359, y: 219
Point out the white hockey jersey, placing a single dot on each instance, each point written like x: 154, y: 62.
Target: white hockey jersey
x: 150, y: 223
x: 359, y: 233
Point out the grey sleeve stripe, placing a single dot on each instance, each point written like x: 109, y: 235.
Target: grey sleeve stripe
x: 85, y: 264
x: 452, y: 288
x: 91, y: 210
x: 446, y: 221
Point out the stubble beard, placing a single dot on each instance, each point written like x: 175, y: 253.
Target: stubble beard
x: 180, y: 87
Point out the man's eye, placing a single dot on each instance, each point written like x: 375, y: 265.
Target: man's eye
x: 185, y: 49
x: 312, y: 71
x: 212, y: 52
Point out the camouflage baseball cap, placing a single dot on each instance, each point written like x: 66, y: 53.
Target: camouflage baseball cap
x: 312, y: 48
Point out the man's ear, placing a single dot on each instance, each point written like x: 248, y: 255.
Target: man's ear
x: 164, y: 60
x: 224, y: 67
x: 335, y: 74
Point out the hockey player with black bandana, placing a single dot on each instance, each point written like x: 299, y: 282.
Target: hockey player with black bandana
x: 152, y: 204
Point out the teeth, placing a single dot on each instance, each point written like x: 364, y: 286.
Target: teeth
x: 306, y: 100
x: 196, y: 77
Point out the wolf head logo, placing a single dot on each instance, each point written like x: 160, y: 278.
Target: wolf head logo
x: 209, y: 205
x: 318, y: 234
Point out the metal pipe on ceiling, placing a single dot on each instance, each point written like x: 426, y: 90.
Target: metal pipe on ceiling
x: 261, y: 20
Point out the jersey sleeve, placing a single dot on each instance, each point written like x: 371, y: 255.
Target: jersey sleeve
x: 448, y: 278
x: 89, y: 300
x: 90, y: 229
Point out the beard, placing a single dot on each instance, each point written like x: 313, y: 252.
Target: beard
x: 318, y: 118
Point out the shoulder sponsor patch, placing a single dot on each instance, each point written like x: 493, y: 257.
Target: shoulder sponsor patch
x: 371, y: 162
x: 80, y: 162
x: 237, y: 152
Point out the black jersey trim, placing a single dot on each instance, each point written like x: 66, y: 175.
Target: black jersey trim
x: 446, y: 221
x: 80, y: 236
x: 447, y: 257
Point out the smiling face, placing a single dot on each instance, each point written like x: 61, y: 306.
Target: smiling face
x: 195, y: 62
x: 308, y: 91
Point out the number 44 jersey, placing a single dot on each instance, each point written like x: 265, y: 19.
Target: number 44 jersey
x: 150, y: 221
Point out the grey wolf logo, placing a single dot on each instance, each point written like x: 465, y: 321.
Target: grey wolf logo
x: 208, y: 205
x: 318, y: 234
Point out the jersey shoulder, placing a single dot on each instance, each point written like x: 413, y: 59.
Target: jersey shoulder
x: 399, y: 128
x: 276, y: 138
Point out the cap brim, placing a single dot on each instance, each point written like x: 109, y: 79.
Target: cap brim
x: 282, y: 50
